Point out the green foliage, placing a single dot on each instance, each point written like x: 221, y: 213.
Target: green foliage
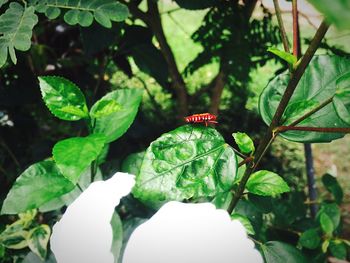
x: 245, y: 222
x: 244, y: 142
x: 326, y: 224
x: 104, y: 108
x: 332, y: 185
x: 74, y: 155
x: 63, y: 98
x: 26, y: 233
x: 341, y: 100
x: 336, y: 11
x: 188, y: 162
x: 288, y: 57
x: 338, y: 249
x: 117, y: 242
x: 117, y: 123
x: 16, y: 26
x: 266, y: 183
x: 317, y: 84
x: 298, y: 109
x: 38, y: 238
x: 40, y: 183
x: 310, y: 239
x: 83, y: 12
x: 276, y: 252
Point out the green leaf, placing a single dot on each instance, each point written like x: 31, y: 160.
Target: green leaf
x: 335, y: 11
x: 74, y: 155
x: 288, y: 57
x: 104, y: 107
x: 244, y: 142
x: 338, y: 249
x: 132, y: 163
x: 40, y: 183
x: 63, y: 98
x: 277, y: 252
x: 317, y: 84
x: 2, y: 251
x: 332, y: 185
x: 188, y: 162
x: 117, y: 242
x: 37, y: 240
x: 297, y: 109
x: 27, y: 217
x: 83, y: 12
x: 245, y: 222
x: 341, y: 100
x: 266, y: 183
x: 15, y: 240
x: 16, y: 26
x: 326, y: 224
x: 52, y: 12
x: 116, y: 124
x: 2, y: 2
x: 325, y: 245
x: 332, y: 211
x: 310, y: 239
x: 196, y: 4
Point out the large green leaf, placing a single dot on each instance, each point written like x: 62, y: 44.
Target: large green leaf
x: 341, y: 99
x: 37, y: 240
x: 196, y: 4
x: 332, y: 185
x: 277, y: 252
x: 266, y: 183
x: 16, y: 26
x: 317, y: 84
x: 63, y: 98
x: 188, y: 162
x: 116, y: 124
x: 40, y: 183
x: 74, y: 155
x: 336, y: 11
x: 84, y: 12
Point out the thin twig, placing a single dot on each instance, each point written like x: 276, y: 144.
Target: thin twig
x: 281, y: 26
x: 312, y: 129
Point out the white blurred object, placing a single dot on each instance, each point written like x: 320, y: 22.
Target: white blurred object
x: 84, y: 234
x: 190, y: 233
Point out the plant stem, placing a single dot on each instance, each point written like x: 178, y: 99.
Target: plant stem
x: 281, y: 26
x: 308, y: 114
x: 312, y: 129
x: 298, y: 73
x: 245, y: 161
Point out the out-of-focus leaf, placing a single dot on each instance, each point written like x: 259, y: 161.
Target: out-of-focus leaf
x: 117, y: 243
x: 277, y: 252
x: 332, y: 185
x: 132, y: 163
x: 338, y: 249
x: 310, y: 239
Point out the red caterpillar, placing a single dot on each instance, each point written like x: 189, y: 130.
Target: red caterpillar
x: 200, y: 118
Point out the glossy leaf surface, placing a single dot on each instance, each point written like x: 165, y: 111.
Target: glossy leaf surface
x: 74, y: 155
x: 117, y: 123
x: 188, y: 162
x: 266, y: 183
x: 63, y: 98
x: 317, y: 84
x: 40, y: 183
x: 244, y: 142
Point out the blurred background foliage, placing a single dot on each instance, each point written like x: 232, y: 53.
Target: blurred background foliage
x: 205, y: 60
